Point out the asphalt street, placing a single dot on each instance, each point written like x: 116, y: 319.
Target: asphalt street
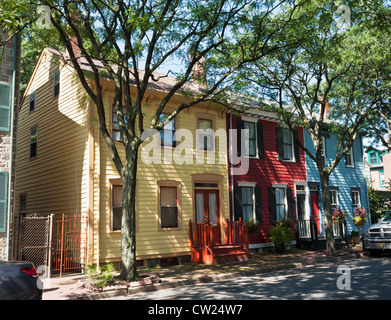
x: 359, y: 279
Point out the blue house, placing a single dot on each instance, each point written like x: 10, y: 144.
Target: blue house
x: 348, y: 187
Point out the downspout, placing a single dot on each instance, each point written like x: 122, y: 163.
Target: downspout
x: 366, y: 184
x: 10, y: 175
x: 230, y: 160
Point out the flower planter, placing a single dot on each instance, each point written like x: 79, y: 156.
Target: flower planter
x: 359, y: 223
x: 356, y: 239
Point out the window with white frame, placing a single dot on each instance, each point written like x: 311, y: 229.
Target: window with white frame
x: 356, y: 199
x: 250, y: 144
x: 349, y: 158
x: 324, y: 148
x: 301, y: 201
x: 168, y: 207
x: 116, y: 133
x: 167, y: 133
x: 287, y: 144
x: 334, y: 198
x: 248, y: 203
x: 205, y: 135
x: 281, y: 203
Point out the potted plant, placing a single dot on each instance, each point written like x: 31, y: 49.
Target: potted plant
x: 359, y: 217
x: 252, y: 225
x: 281, y: 235
x: 355, y: 237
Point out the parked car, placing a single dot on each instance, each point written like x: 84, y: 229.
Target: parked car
x: 378, y: 236
x: 19, y: 281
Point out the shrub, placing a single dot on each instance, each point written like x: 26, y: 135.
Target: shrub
x: 103, y: 278
x: 280, y: 235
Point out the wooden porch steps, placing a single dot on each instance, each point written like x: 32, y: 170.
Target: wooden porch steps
x: 220, y: 253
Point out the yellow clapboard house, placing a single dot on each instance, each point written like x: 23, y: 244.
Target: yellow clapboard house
x: 64, y: 167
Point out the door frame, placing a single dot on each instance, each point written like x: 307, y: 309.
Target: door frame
x: 216, y: 226
x: 215, y: 179
x: 312, y: 217
x: 306, y: 192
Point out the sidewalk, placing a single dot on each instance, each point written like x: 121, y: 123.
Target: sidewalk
x: 71, y: 287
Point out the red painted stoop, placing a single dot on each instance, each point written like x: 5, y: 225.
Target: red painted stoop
x: 220, y: 253
x: 206, y: 249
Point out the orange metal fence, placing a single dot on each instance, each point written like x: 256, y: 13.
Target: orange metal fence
x: 66, y: 245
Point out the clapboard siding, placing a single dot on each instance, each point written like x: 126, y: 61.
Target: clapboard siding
x: 54, y: 181
x: 152, y: 241
x: 343, y: 178
x: 269, y: 170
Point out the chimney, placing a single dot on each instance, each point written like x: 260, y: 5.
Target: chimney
x: 72, y: 38
x: 326, y: 107
x: 75, y: 47
x: 198, y: 74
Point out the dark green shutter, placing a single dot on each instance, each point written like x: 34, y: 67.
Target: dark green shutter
x: 258, y: 209
x: 260, y: 139
x: 3, y: 200
x: 239, y: 127
x: 280, y: 148
x: 238, y: 203
x: 272, y: 205
x: 5, y: 107
x: 296, y: 145
x: 291, y: 202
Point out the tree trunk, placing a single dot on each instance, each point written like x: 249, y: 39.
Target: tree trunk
x: 128, y: 223
x: 327, y: 219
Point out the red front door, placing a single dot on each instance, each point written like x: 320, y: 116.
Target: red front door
x: 315, y: 209
x: 207, y: 210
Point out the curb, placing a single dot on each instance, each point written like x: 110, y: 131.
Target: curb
x: 207, y: 279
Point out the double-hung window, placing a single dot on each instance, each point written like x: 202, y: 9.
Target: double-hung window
x: 349, y: 158
x: 281, y: 204
x: 334, y: 198
x: 33, y: 142
x: 116, y: 207
x: 56, y: 83
x: 32, y: 101
x: 356, y: 199
x: 250, y: 138
x: 250, y: 144
x: 116, y: 133
x: 287, y: 144
x: 205, y: 135
x: 373, y: 158
x: 248, y: 203
x: 167, y: 133
x: 287, y: 148
x: 168, y: 207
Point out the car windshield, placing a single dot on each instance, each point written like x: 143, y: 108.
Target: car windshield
x: 387, y: 216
